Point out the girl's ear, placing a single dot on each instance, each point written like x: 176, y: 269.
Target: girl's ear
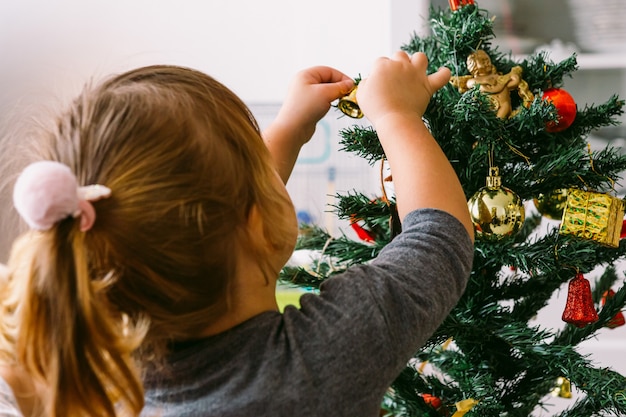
x: 257, y: 240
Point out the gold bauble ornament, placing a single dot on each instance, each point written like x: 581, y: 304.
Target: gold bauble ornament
x: 551, y: 205
x: 496, y: 211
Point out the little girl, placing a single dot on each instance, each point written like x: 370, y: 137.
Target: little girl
x: 158, y: 222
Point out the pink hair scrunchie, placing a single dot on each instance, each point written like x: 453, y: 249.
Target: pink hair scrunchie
x: 47, y: 192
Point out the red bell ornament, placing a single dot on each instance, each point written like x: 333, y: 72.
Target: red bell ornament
x: 579, y: 308
x: 565, y: 107
x: 618, y: 319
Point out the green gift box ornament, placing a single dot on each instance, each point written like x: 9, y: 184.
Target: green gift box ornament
x: 593, y: 216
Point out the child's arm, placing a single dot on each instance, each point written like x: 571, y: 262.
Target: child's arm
x: 394, y: 98
x: 307, y: 101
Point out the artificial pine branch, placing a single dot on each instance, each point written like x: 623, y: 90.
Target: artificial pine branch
x: 544, y: 73
x: 362, y: 141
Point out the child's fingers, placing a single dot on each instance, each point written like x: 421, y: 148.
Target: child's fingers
x: 400, y: 56
x: 322, y: 75
x: 439, y: 79
x: 419, y: 59
x: 338, y: 89
x: 324, y: 82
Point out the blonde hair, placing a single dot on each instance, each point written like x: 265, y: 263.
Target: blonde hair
x: 185, y: 161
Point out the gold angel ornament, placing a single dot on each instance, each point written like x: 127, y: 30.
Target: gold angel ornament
x: 496, y: 86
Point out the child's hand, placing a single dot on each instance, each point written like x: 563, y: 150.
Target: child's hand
x: 394, y: 98
x: 309, y: 97
x: 399, y: 85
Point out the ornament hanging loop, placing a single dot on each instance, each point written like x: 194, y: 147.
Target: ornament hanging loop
x: 395, y: 225
x: 491, y: 157
x: 494, y: 180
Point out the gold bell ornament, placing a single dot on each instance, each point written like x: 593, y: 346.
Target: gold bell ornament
x: 563, y: 388
x: 463, y: 406
x: 593, y: 216
x: 496, y: 211
x: 349, y: 106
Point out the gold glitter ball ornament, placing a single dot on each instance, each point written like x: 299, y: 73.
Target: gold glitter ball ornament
x: 593, y: 216
x: 496, y: 211
x: 552, y: 205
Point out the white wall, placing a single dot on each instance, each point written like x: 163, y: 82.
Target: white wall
x: 252, y: 46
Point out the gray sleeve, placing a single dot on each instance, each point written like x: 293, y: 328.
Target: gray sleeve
x: 367, y: 322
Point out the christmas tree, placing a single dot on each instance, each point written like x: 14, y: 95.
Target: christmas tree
x: 513, y: 135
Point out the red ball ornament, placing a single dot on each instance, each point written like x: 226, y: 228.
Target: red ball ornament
x: 565, y: 107
x: 432, y: 400
x: 618, y: 319
x: 436, y: 403
x: 456, y: 4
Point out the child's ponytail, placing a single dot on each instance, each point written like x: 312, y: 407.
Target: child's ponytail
x: 66, y: 334
x: 67, y: 338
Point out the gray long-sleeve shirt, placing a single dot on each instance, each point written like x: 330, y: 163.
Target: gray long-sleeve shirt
x: 338, y: 353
